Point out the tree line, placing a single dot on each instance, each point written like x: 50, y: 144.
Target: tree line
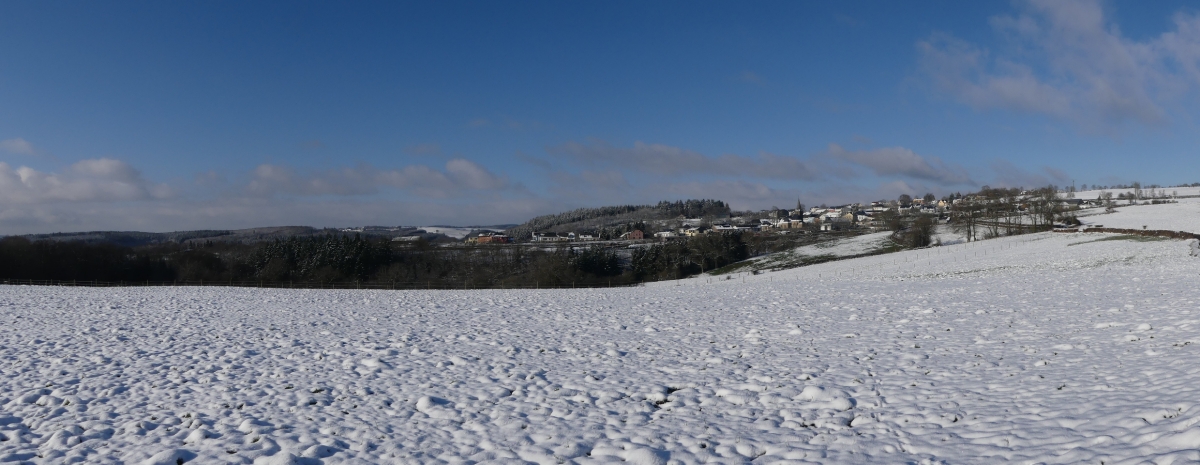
x: 341, y: 259
x: 995, y: 212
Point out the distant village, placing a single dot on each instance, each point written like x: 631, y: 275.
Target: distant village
x: 854, y: 217
x: 850, y: 217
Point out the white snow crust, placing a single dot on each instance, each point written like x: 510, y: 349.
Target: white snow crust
x: 1052, y: 348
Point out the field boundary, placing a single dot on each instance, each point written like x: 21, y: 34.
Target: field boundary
x: 394, y: 286
x: 1134, y: 232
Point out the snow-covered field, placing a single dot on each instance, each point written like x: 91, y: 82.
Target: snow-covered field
x: 1182, y: 216
x: 1055, y: 348
x: 457, y: 233
x: 1167, y: 191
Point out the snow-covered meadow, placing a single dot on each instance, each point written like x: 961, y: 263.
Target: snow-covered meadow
x: 1163, y: 191
x: 1055, y: 348
x: 1181, y: 216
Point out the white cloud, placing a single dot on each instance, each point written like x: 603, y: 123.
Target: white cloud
x: 469, y: 174
x: 835, y: 164
x: 674, y: 161
x: 591, y: 188
x: 1067, y: 60
x: 734, y: 191
x: 893, y: 161
x: 1010, y: 175
x: 95, y: 180
x: 177, y: 214
x: 17, y: 146
x: 459, y: 177
x: 99, y: 194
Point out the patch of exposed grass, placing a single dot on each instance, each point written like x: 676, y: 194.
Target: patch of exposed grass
x: 744, y: 265
x: 786, y: 260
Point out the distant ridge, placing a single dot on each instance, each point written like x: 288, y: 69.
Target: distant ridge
x: 496, y: 227
x: 591, y: 219
x: 246, y: 236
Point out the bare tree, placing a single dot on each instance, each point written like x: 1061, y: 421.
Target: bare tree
x: 1107, y: 198
x: 1045, y: 205
x: 966, y: 215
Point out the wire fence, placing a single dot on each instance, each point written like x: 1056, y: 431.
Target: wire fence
x: 391, y: 285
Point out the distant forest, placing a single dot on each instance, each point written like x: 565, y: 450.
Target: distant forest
x: 309, y: 261
x: 611, y: 222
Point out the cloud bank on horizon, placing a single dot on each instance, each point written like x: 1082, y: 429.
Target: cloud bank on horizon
x: 1053, y: 92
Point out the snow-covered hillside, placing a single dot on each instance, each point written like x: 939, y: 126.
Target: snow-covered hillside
x: 815, y: 253
x: 1055, y: 348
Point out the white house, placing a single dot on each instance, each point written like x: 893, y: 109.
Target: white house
x: 550, y: 237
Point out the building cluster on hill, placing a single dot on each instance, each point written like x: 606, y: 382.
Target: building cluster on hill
x: 488, y: 237
x: 852, y: 216
x: 849, y: 217
x: 988, y: 206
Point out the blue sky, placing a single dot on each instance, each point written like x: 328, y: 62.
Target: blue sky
x: 167, y: 116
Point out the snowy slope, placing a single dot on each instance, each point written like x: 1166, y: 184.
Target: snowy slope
x: 837, y: 249
x: 822, y: 251
x: 849, y: 246
x: 1055, y: 348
